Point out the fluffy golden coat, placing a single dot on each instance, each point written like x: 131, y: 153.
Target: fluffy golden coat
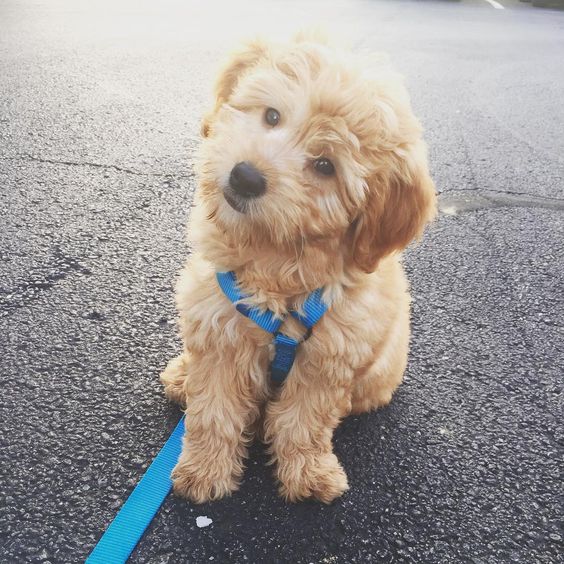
x: 342, y: 232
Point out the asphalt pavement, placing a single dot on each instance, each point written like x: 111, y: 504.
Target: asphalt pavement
x: 99, y: 110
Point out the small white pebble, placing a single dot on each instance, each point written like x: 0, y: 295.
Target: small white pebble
x: 203, y: 521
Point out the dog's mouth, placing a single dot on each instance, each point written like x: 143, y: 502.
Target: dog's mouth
x: 238, y: 204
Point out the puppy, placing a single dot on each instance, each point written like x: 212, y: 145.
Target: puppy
x: 312, y: 175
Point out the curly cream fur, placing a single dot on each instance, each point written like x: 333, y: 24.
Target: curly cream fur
x: 342, y: 233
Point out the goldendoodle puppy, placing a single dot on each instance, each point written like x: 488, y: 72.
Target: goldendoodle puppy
x: 313, y: 177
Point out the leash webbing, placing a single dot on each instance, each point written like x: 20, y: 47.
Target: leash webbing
x: 128, y: 526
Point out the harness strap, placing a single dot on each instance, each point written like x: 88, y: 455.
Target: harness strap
x: 284, y: 356
x: 285, y: 347
x: 265, y: 319
x: 314, y: 308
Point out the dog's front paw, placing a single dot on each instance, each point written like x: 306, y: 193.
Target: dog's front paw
x: 208, y: 481
x: 173, y: 378
x: 321, y: 477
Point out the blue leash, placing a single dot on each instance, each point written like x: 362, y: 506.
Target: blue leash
x: 285, y: 347
x: 128, y: 526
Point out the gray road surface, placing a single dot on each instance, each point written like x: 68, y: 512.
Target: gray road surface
x: 99, y: 110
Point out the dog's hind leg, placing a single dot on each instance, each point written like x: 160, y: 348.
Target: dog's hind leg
x: 374, y: 385
x: 374, y: 389
x: 174, y: 376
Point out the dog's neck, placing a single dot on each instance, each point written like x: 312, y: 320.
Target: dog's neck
x: 289, y: 272
x: 276, y: 272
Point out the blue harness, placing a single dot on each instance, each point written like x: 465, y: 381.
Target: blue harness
x: 285, y: 347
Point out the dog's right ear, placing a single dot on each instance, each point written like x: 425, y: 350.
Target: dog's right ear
x: 401, y: 201
x: 236, y: 66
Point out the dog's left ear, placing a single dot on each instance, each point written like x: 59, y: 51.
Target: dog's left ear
x: 401, y: 200
x: 237, y: 65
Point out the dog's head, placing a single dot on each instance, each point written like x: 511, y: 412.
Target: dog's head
x: 310, y: 143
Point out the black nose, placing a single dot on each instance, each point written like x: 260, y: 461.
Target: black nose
x: 247, y: 181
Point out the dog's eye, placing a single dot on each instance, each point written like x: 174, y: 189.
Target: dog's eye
x: 324, y: 166
x: 272, y: 117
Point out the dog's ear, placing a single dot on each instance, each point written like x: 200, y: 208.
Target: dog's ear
x: 239, y: 62
x: 401, y: 200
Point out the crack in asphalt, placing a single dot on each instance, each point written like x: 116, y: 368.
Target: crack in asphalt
x: 37, y: 283
x: 453, y: 203
x: 28, y: 157
x: 469, y: 162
